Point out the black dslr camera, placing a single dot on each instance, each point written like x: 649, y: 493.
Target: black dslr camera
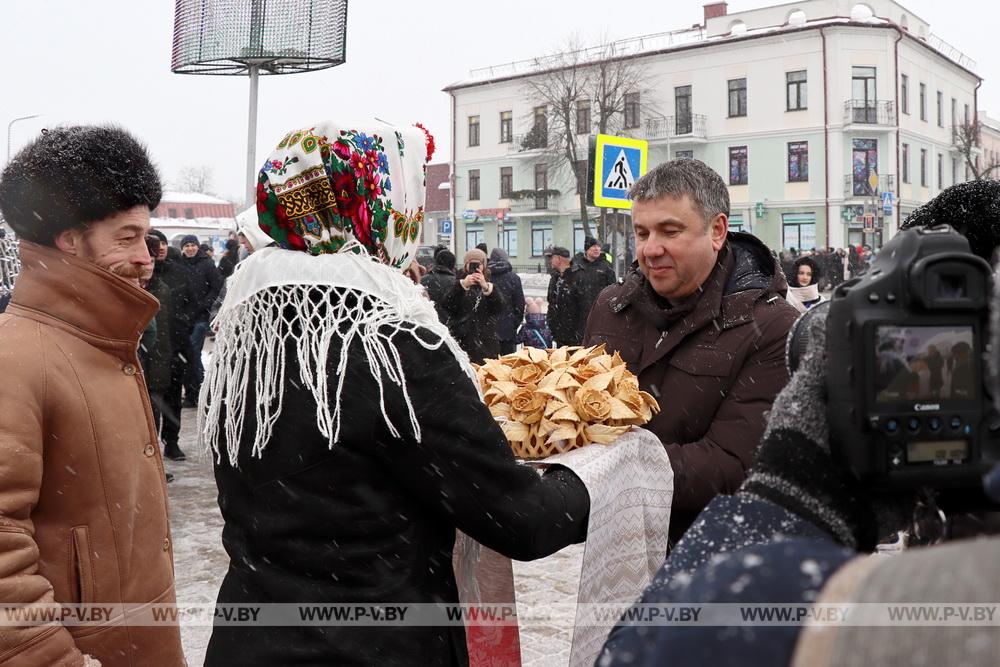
x: 907, y: 400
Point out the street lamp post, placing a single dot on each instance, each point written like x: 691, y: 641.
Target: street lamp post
x: 11, y: 124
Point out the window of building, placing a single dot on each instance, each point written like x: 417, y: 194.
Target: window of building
x: 736, y: 223
x: 798, y: 230
x: 905, y: 167
x: 954, y: 171
x: 506, y: 127
x: 738, y: 167
x: 508, y: 239
x: 539, y: 136
x: 474, y: 235
x: 583, y: 117
x: 682, y: 110
x: 578, y: 237
x: 923, y: 167
x: 473, y: 130
x: 795, y: 91
x: 864, y: 160
x: 506, y: 181
x: 923, y: 101
x: 171, y: 212
x: 798, y: 161
x: 940, y: 109
x: 631, y: 110
x: 940, y: 171
x: 863, y: 92
x: 541, y: 237
x: 904, y: 93
x: 189, y: 213
x: 737, y: 97
x: 541, y: 184
x: 954, y: 112
x: 966, y: 114
x: 474, y: 185
x: 684, y: 155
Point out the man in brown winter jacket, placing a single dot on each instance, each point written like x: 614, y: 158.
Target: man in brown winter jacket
x: 83, y: 503
x: 702, y: 321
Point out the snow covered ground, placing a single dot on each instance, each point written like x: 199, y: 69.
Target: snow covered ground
x: 200, y: 562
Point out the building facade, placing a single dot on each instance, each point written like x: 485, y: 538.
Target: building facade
x: 209, y: 218
x: 830, y: 121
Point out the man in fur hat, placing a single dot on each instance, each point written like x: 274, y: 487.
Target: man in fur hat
x: 83, y: 503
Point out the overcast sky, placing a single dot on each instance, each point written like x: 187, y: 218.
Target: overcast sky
x: 109, y: 61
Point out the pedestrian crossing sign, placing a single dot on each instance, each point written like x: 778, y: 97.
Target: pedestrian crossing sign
x: 616, y: 164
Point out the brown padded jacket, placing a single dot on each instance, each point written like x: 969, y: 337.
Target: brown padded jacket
x: 83, y: 502
x: 715, y: 362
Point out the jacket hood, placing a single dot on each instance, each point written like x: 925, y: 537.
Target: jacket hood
x: 755, y: 266
x: 499, y: 262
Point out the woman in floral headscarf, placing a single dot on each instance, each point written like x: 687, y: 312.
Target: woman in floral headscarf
x: 349, y: 435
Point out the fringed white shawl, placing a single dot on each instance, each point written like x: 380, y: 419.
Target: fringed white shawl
x: 252, y: 330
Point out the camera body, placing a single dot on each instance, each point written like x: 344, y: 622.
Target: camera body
x: 907, y: 399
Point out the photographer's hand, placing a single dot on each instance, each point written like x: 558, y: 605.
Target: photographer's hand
x: 796, y: 469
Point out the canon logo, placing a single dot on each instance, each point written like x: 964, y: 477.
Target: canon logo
x: 926, y: 407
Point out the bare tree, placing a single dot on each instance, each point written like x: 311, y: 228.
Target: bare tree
x: 582, y: 90
x: 967, y: 140
x: 194, y: 179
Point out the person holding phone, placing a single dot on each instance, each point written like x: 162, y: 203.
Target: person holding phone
x: 474, y: 307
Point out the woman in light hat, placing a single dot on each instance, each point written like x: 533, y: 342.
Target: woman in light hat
x: 349, y: 435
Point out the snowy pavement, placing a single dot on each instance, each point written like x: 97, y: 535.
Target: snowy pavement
x: 200, y: 562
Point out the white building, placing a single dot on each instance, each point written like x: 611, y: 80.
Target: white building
x: 796, y: 106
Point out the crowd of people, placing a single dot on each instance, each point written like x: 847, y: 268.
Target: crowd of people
x: 347, y: 432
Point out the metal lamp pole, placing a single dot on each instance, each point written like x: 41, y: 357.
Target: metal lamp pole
x: 11, y: 124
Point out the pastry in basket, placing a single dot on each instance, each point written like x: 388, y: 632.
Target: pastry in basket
x: 551, y: 401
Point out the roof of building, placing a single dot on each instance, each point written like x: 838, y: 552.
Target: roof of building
x: 694, y: 37
x: 190, y: 198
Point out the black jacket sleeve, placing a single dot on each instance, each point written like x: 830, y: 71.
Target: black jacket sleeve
x: 462, y: 465
x: 213, y: 279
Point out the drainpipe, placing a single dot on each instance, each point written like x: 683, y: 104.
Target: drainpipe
x: 899, y: 171
x: 975, y: 114
x: 451, y: 175
x: 826, y: 142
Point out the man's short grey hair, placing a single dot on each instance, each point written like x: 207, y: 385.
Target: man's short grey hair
x: 681, y: 177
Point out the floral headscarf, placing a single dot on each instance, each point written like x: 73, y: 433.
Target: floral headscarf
x: 328, y: 185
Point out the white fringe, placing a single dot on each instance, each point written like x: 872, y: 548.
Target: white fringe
x: 252, y: 329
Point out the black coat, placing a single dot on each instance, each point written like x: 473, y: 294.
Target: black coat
x: 591, y: 280
x: 373, y: 519
x: 566, y: 318
x: 509, y: 283
x: 439, y: 281
x: 472, y: 320
x: 177, y: 279
x: 206, y: 281
x: 157, y: 345
x: 228, y: 264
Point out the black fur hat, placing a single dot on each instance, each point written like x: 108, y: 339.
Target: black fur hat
x: 73, y: 176
x: 972, y: 208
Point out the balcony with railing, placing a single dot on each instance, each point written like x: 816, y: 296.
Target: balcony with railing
x: 868, y: 112
x: 861, y: 188
x: 690, y: 128
x: 529, y: 142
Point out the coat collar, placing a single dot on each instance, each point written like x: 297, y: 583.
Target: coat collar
x: 76, y: 295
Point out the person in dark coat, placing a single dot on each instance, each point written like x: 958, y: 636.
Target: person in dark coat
x: 440, y: 280
x: 565, y: 317
x: 595, y: 275
x: 346, y: 481
x: 206, y: 282
x: 504, y: 278
x: 473, y: 307
x: 701, y: 319
x: 230, y: 258
x: 169, y: 271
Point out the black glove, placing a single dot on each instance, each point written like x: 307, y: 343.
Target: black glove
x: 796, y: 469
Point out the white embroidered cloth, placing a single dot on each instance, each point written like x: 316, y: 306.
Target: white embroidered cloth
x: 631, y: 487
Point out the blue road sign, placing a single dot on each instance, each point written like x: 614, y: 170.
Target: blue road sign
x: 445, y: 227
x: 619, y: 162
x: 887, y: 203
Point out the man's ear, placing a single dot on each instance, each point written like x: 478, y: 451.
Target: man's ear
x: 718, y: 229
x: 69, y: 241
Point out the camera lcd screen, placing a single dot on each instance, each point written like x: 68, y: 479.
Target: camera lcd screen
x: 942, y: 450
x: 924, y: 364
